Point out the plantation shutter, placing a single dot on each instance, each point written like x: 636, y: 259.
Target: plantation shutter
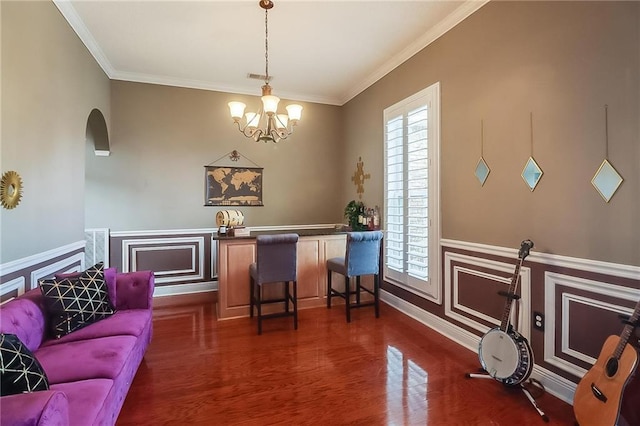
x: 411, y: 251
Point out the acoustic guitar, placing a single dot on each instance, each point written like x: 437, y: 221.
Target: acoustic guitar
x: 609, y: 393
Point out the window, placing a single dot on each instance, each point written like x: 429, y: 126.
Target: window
x: 412, y: 140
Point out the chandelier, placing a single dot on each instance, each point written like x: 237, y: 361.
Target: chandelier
x: 274, y: 127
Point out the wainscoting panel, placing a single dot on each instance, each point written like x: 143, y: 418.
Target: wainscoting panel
x: 22, y: 275
x: 183, y: 260
x: 470, y: 288
x: 585, y: 314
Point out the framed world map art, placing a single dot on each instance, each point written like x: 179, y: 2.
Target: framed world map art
x: 232, y: 186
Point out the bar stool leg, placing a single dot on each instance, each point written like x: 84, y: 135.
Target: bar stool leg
x: 376, y: 294
x: 329, y: 288
x: 251, y: 299
x: 287, y: 297
x: 295, y: 304
x: 259, y: 305
x: 347, y: 296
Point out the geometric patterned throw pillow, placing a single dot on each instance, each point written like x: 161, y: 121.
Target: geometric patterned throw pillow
x: 20, y: 371
x: 73, y: 303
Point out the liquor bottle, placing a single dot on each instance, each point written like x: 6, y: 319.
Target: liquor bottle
x: 376, y: 218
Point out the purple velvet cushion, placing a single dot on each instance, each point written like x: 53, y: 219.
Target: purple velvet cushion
x: 25, y: 318
x: 37, y: 408
x: 86, y: 359
x: 86, y: 399
x: 109, y: 279
x: 135, y: 290
x: 131, y: 322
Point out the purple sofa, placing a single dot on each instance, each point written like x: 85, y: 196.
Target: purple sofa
x: 89, y: 370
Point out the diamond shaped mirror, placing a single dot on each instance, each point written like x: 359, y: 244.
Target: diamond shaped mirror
x: 606, y: 180
x: 482, y: 171
x: 531, y: 174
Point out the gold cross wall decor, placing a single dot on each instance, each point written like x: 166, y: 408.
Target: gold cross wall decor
x: 359, y: 176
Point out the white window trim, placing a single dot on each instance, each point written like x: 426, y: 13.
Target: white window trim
x: 432, y: 291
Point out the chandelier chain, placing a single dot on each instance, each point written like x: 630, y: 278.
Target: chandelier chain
x: 266, y: 46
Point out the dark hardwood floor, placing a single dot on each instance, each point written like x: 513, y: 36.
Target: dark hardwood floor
x: 387, y: 371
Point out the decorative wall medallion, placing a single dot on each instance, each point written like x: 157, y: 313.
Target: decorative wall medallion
x: 359, y: 176
x: 10, y: 190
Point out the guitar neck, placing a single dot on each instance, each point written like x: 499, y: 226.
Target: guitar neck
x: 626, y: 333
x: 504, y: 324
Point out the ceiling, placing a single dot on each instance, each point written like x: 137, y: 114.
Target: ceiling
x: 319, y: 51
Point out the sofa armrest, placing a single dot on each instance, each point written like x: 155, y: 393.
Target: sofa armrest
x: 134, y: 290
x: 35, y: 408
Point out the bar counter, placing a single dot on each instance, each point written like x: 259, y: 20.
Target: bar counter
x: 235, y: 254
x: 304, y: 232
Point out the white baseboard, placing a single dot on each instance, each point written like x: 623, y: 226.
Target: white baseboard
x: 554, y: 384
x: 173, y: 290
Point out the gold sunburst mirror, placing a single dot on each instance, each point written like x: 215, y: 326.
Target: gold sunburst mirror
x: 10, y: 190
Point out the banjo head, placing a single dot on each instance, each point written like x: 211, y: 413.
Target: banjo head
x: 498, y: 354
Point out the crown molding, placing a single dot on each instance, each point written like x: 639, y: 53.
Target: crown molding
x: 69, y: 13
x: 203, y: 85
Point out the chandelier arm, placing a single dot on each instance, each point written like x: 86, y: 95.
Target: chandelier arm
x: 280, y: 134
x: 257, y: 134
x: 246, y: 131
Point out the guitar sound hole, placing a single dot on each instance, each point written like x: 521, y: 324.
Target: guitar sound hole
x: 612, y: 367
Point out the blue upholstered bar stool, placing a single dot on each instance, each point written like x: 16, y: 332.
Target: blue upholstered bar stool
x: 276, y: 261
x: 362, y: 258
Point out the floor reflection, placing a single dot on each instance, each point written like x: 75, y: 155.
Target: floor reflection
x: 406, y: 390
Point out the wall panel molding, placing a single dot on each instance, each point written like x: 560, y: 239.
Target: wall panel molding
x: 183, y: 260
x: 22, y: 275
x: 16, y: 285
x: 587, y: 265
x: 561, y: 357
x: 73, y: 263
x: 26, y: 262
x: 133, y: 248
x: 454, y: 309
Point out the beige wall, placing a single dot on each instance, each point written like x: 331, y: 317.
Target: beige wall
x: 50, y: 83
x: 163, y: 136
x: 563, y: 61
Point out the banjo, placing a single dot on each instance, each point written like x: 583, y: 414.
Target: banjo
x: 505, y: 354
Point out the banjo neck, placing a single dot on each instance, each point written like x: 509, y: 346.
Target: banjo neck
x: 525, y: 247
